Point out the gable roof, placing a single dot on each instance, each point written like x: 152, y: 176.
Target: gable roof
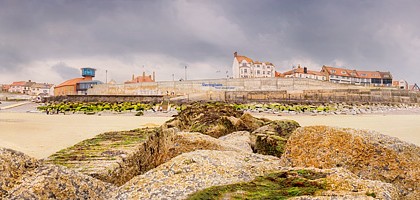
x: 241, y: 58
x: 301, y: 70
x: 18, y: 83
x: 70, y: 82
x: 338, y: 71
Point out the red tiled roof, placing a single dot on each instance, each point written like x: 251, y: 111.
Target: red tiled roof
x: 72, y: 82
x: 241, y: 58
x: 368, y: 74
x: 18, y: 83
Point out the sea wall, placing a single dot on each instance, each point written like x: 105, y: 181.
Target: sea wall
x: 214, y: 85
x: 383, y: 95
x: 107, y: 98
x: 259, y: 90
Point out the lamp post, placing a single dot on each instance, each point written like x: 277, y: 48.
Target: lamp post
x: 185, y: 72
x: 106, y: 76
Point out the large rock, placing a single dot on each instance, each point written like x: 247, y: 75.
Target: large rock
x: 271, y: 139
x: 185, y: 142
x: 214, y: 119
x: 308, y: 183
x: 57, y: 182
x: 116, y: 157
x: 367, y: 154
x: 13, y: 165
x: 239, y: 139
x: 195, y: 171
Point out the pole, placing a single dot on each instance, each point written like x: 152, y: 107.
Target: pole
x: 106, y: 76
x: 185, y: 72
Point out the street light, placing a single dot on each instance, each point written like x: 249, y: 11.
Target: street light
x: 185, y: 72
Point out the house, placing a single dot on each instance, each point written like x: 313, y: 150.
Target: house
x: 401, y: 84
x: 278, y: 74
x: 300, y: 72
x: 17, y: 87
x: 341, y: 75
x: 41, y: 89
x: 27, y: 87
x: 5, y: 88
x: 244, y: 67
x: 77, y: 85
x: 141, y: 79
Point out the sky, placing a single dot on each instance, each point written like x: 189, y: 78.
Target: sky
x: 49, y: 41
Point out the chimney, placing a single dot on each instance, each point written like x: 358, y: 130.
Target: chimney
x: 235, y: 54
x: 305, y: 70
x: 29, y: 81
x: 153, y: 76
x: 132, y: 78
x: 298, y: 65
x: 144, y: 74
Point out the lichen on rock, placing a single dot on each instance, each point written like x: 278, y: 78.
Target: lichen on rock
x: 13, y: 165
x: 367, y: 154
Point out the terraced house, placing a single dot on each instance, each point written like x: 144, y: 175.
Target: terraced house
x: 347, y: 76
x: 299, y: 72
x: 244, y: 67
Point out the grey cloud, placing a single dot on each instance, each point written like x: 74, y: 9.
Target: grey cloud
x: 371, y: 35
x: 65, y: 71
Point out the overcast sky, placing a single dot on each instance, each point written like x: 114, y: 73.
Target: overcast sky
x: 49, y: 41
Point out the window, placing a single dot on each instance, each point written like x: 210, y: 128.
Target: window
x: 268, y: 72
x: 263, y: 72
x: 343, y: 72
x: 333, y: 71
x: 258, y: 71
x: 245, y: 71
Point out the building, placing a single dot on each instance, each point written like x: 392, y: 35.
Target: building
x: 347, y: 76
x: 141, y: 79
x: 17, y: 87
x: 300, y: 72
x: 5, y: 88
x: 41, y: 89
x: 244, y: 67
x: 77, y: 85
x: 401, y: 84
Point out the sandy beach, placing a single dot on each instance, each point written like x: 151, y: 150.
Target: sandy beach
x: 405, y: 126
x: 40, y: 135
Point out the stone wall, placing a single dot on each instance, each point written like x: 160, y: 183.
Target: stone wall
x: 215, y: 85
x: 108, y: 98
x: 385, y: 95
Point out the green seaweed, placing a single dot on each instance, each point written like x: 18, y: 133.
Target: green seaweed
x: 278, y: 185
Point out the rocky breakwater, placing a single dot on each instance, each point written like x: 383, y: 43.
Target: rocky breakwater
x: 116, y: 157
x: 23, y: 177
x: 222, y: 159
x: 367, y: 154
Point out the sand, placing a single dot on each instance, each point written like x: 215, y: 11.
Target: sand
x: 40, y: 135
x: 404, y: 127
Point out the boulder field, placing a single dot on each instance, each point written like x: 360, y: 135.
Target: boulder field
x: 213, y: 151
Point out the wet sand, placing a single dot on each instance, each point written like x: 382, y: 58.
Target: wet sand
x: 405, y: 127
x: 40, y: 135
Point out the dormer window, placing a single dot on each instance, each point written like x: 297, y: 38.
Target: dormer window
x: 333, y: 71
x: 343, y: 72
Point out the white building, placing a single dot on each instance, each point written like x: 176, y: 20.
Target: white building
x: 244, y: 67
